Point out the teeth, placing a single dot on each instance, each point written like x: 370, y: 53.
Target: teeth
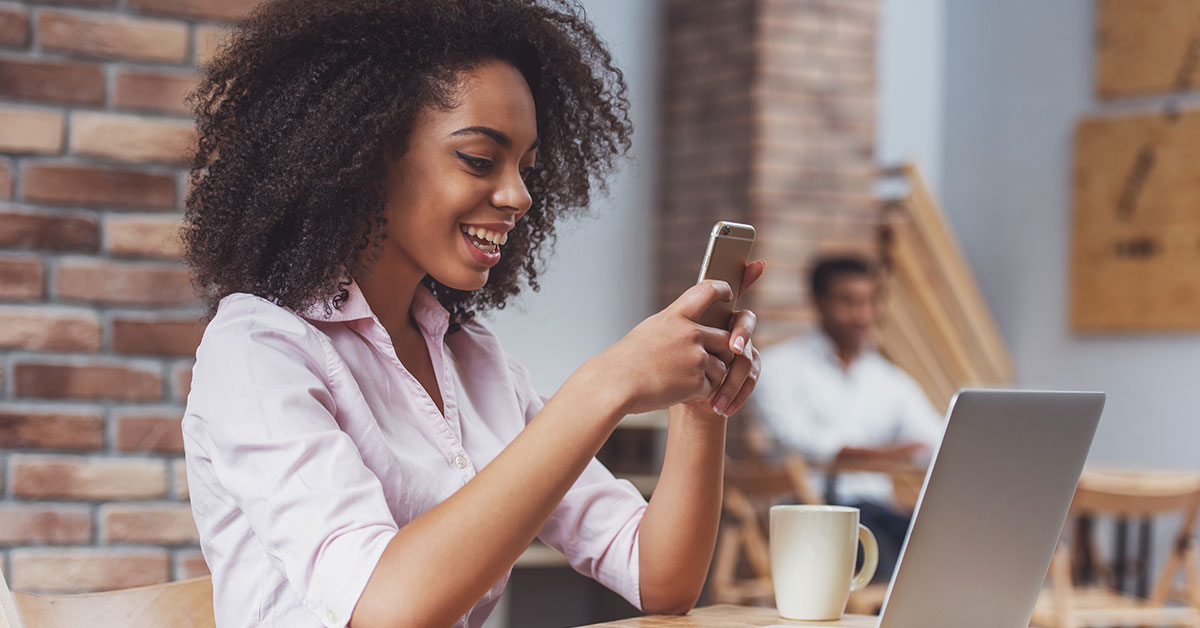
x: 486, y: 234
x: 488, y: 249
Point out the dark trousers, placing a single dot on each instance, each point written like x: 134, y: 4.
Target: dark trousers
x: 889, y: 528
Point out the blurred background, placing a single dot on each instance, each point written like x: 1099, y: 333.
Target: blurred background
x: 1052, y: 141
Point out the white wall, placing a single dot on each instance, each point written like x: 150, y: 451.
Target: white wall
x: 910, y: 57
x: 1018, y: 77
x: 599, y: 282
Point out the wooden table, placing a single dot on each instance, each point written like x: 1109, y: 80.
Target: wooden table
x: 730, y: 616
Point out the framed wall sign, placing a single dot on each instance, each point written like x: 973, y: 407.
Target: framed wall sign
x: 1136, y: 257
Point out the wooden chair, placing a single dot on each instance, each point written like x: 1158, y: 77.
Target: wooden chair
x: 183, y: 604
x: 907, y: 479
x: 741, y: 572
x: 1070, y: 603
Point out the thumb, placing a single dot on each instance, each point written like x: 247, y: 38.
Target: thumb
x: 754, y: 270
x: 697, y: 299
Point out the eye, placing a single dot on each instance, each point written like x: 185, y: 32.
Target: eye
x: 527, y: 172
x: 480, y: 164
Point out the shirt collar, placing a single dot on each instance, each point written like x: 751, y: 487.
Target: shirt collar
x: 433, y: 319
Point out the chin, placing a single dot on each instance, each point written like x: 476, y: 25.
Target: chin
x: 467, y: 281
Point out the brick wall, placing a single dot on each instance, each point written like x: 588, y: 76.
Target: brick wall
x: 769, y: 118
x: 98, y: 323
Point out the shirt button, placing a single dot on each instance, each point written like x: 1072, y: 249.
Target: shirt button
x: 331, y: 617
x: 460, y: 461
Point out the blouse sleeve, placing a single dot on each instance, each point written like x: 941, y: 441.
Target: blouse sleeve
x: 261, y: 419
x: 597, y: 522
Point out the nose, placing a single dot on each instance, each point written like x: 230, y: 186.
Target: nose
x: 511, y: 194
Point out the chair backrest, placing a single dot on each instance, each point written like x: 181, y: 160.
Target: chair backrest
x: 182, y: 604
x: 1138, y: 493
x: 757, y: 478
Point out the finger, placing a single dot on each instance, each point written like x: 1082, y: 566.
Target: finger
x: 748, y: 384
x: 697, y: 299
x: 754, y: 270
x: 716, y: 342
x: 742, y: 397
x: 715, y: 371
x: 742, y: 328
x: 732, y: 384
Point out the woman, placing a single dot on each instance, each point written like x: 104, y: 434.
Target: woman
x: 360, y: 450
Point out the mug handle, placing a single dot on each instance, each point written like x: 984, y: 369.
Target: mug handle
x: 870, y: 558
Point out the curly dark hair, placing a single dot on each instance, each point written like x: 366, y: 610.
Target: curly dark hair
x: 299, y: 107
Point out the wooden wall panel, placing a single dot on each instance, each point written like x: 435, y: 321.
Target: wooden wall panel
x: 1136, y: 259
x: 1146, y: 46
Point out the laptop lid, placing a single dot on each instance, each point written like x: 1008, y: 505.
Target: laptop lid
x: 991, y: 510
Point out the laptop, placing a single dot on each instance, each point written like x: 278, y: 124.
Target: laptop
x: 992, y: 507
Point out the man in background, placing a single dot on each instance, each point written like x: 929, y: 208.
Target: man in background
x: 830, y: 396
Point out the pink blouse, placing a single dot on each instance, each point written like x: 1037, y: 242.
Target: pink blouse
x: 309, y: 444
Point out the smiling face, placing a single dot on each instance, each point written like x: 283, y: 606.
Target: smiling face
x: 460, y: 187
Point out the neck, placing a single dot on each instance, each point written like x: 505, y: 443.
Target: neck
x: 390, y: 289
x: 846, y: 352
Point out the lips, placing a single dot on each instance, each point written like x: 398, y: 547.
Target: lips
x: 483, y: 251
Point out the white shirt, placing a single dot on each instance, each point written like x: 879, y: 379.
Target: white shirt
x: 309, y: 445
x: 815, y: 407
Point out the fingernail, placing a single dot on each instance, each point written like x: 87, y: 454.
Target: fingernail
x: 739, y: 345
x: 719, y: 406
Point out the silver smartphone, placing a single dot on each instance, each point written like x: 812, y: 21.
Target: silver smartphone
x: 725, y: 259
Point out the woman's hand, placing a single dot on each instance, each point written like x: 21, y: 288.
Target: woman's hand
x: 669, y: 358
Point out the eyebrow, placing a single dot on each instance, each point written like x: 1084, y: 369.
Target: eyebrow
x: 497, y: 136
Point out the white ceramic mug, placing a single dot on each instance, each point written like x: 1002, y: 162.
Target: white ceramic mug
x: 813, y: 551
